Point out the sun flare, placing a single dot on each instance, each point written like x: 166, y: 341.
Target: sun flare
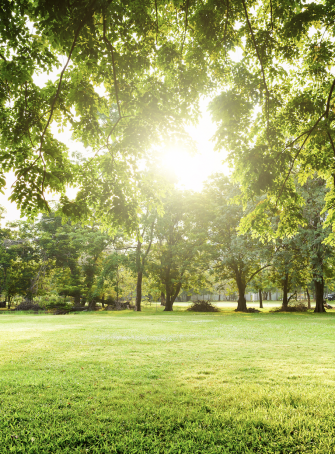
x: 191, y: 170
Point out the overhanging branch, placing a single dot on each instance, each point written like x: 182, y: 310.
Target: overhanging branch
x: 260, y: 61
x: 258, y: 271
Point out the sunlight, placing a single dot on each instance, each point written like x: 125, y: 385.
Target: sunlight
x: 192, y: 170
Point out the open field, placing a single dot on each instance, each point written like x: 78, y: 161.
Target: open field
x: 233, y: 304
x: 155, y: 382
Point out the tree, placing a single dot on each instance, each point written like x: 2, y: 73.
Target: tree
x: 113, y: 272
x: 8, y: 255
x: 23, y: 263
x: 144, y: 235
x: 178, y: 259
x: 290, y: 270
x: 235, y: 257
x: 314, y: 236
x: 277, y: 122
x: 62, y: 243
x: 125, y: 89
x: 261, y: 283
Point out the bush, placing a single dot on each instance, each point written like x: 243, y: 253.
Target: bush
x: 252, y: 310
x: 56, y: 302
x: 110, y: 301
x: 203, y: 306
x: 28, y: 306
x: 296, y: 306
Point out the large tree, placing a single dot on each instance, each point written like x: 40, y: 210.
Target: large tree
x: 235, y: 257
x: 315, y: 236
x: 125, y: 87
x: 178, y: 258
x: 275, y: 113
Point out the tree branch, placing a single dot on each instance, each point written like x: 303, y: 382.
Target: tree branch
x: 297, y: 154
x: 329, y: 98
x: 156, y: 21
x: 260, y: 61
x: 186, y: 24
x: 327, y: 114
x: 292, y: 296
x: 225, y: 31
x: 40, y: 155
x: 109, y: 45
x: 256, y: 272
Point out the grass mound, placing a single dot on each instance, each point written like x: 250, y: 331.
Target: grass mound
x: 203, y: 306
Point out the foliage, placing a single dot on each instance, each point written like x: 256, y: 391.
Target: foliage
x: 125, y: 89
x: 277, y: 122
x: 178, y: 256
x: 235, y: 257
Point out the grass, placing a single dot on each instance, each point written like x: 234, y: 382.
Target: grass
x: 152, y: 382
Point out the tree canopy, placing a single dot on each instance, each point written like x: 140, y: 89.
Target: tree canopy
x: 130, y: 78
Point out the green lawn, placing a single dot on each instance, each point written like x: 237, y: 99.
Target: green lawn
x: 154, y: 382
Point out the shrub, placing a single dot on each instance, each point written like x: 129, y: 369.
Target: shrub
x: 27, y: 306
x: 203, y: 306
x: 296, y: 306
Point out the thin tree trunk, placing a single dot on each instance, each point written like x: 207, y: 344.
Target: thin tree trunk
x: 176, y: 293
x: 319, y: 296
x: 241, y: 302
x: 285, y: 288
x: 260, y: 299
x: 163, y: 301
x: 308, y: 299
x: 168, y: 302
x: 103, y: 300
x: 139, y: 291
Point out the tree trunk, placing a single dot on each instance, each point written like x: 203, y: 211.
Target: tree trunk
x: 170, y: 298
x: 91, y: 305
x: 241, y: 302
x: 285, y: 288
x: 176, y: 293
x: 103, y: 300
x: 9, y: 302
x: 77, y: 300
x: 168, y: 302
x: 308, y: 299
x: 260, y: 299
x: 163, y: 301
x: 83, y: 301
x: 139, y: 291
x: 319, y: 296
